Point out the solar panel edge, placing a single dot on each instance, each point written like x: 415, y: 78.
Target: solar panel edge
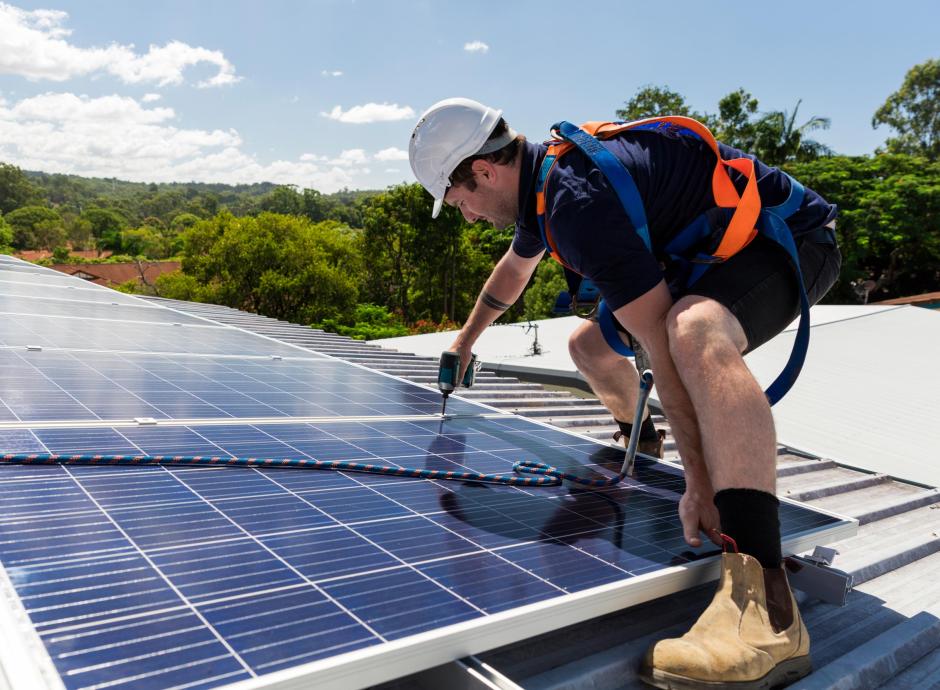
x: 24, y: 661
x: 398, y: 658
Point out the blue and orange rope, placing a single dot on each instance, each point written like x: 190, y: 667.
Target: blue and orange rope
x: 550, y: 476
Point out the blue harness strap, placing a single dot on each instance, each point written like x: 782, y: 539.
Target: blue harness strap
x: 605, y: 319
x: 771, y: 223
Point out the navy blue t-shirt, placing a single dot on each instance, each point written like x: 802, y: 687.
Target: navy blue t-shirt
x: 673, y: 174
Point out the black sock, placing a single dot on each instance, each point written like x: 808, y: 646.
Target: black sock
x: 647, y: 430
x: 752, y: 519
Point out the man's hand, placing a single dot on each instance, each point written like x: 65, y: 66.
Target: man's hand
x: 463, y: 350
x: 697, y: 512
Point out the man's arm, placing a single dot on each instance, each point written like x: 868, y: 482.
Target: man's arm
x: 645, y: 319
x: 502, y: 289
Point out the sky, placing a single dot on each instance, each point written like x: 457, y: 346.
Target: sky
x: 323, y: 94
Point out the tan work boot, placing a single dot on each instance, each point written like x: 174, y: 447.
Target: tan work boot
x: 751, y: 636
x: 653, y: 447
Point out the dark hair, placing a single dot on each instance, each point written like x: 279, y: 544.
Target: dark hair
x: 463, y: 173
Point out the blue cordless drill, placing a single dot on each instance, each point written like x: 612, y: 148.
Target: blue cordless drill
x: 449, y: 370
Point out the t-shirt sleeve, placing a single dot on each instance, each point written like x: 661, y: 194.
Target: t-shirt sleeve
x: 527, y: 242
x: 595, y: 236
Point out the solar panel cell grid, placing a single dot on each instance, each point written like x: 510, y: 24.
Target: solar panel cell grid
x: 63, y: 385
x: 161, y: 577
x: 396, y: 556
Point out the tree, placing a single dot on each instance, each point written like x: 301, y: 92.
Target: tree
x: 6, y: 236
x: 913, y: 111
x: 104, y: 221
x: 49, y: 234
x: 33, y: 226
x: 78, y: 231
x: 655, y: 101
x: 542, y: 293
x: 15, y: 189
x: 888, y: 224
x: 735, y: 125
x: 779, y: 139
x: 145, y: 241
x: 284, y: 200
x: 277, y: 265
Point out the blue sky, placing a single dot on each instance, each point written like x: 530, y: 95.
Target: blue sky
x: 324, y: 93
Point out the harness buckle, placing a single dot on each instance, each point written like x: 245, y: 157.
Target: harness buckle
x: 707, y: 259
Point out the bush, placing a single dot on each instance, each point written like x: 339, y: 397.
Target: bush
x: 368, y: 322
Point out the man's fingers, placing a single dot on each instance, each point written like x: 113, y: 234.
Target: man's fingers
x: 715, y: 535
x: 690, y: 532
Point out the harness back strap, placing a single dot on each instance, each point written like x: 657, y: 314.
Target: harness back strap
x: 742, y: 228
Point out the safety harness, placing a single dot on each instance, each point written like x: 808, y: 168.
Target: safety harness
x: 747, y: 219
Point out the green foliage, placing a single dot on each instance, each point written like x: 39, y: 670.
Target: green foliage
x: 6, y: 236
x: 284, y: 200
x: 281, y: 266
x: 367, y: 322
x: 145, y: 241
x: 15, y: 189
x: 913, y: 111
x: 178, y: 285
x: 888, y: 224
x: 60, y: 255
x: 36, y: 227
x: 780, y: 140
x: 411, y: 260
x: 106, y: 225
x: 655, y: 101
x: 540, y: 298
x: 735, y: 124
x: 774, y: 136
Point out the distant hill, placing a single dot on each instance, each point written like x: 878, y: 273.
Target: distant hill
x: 138, y: 200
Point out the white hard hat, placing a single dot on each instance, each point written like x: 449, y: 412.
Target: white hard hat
x: 447, y: 133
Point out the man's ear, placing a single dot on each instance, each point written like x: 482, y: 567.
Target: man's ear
x: 484, y: 170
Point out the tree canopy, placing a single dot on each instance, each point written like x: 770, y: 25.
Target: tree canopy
x: 913, y: 111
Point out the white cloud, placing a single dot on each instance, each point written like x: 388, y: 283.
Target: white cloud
x: 350, y: 157
x: 371, y: 112
x: 151, y: 97
x: 118, y: 136
x: 391, y: 154
x: 331, y: 73
x: 476, y: 47
x: 33, y: 45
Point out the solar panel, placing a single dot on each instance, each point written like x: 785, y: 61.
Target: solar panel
x: 200, y: 577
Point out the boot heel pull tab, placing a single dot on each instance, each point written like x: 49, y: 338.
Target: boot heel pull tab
x: 728, y: 541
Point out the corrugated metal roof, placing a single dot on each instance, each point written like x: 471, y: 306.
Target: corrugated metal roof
x: 888, y: 634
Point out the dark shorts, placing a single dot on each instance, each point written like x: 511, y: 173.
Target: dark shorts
x: 758, y: 284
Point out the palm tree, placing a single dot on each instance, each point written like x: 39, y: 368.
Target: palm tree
x: 779, y: 140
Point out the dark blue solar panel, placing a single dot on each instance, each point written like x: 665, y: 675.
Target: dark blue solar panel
x: 54, y: 385
x: 69, y: 289
x: 198, y: 577
x: 57, y: 332
x: 77, y: 307
x: 245, y: 571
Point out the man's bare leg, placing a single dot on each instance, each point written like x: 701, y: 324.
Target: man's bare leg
x: 735, y: 422
x: 615, y: 381
x: 612, y: 377
x: 752, y: 634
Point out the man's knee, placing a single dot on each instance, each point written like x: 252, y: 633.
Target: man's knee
x: 580, y: 347
x: 587, y: 346
x: 702, y: 331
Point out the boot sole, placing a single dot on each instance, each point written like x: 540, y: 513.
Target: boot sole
x: 783, y: 674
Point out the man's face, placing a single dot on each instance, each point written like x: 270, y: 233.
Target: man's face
x: 493, y: 200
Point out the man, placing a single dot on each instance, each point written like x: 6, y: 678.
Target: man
x: 465, y: 155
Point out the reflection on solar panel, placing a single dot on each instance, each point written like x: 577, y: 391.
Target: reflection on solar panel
x: 176, y: 577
